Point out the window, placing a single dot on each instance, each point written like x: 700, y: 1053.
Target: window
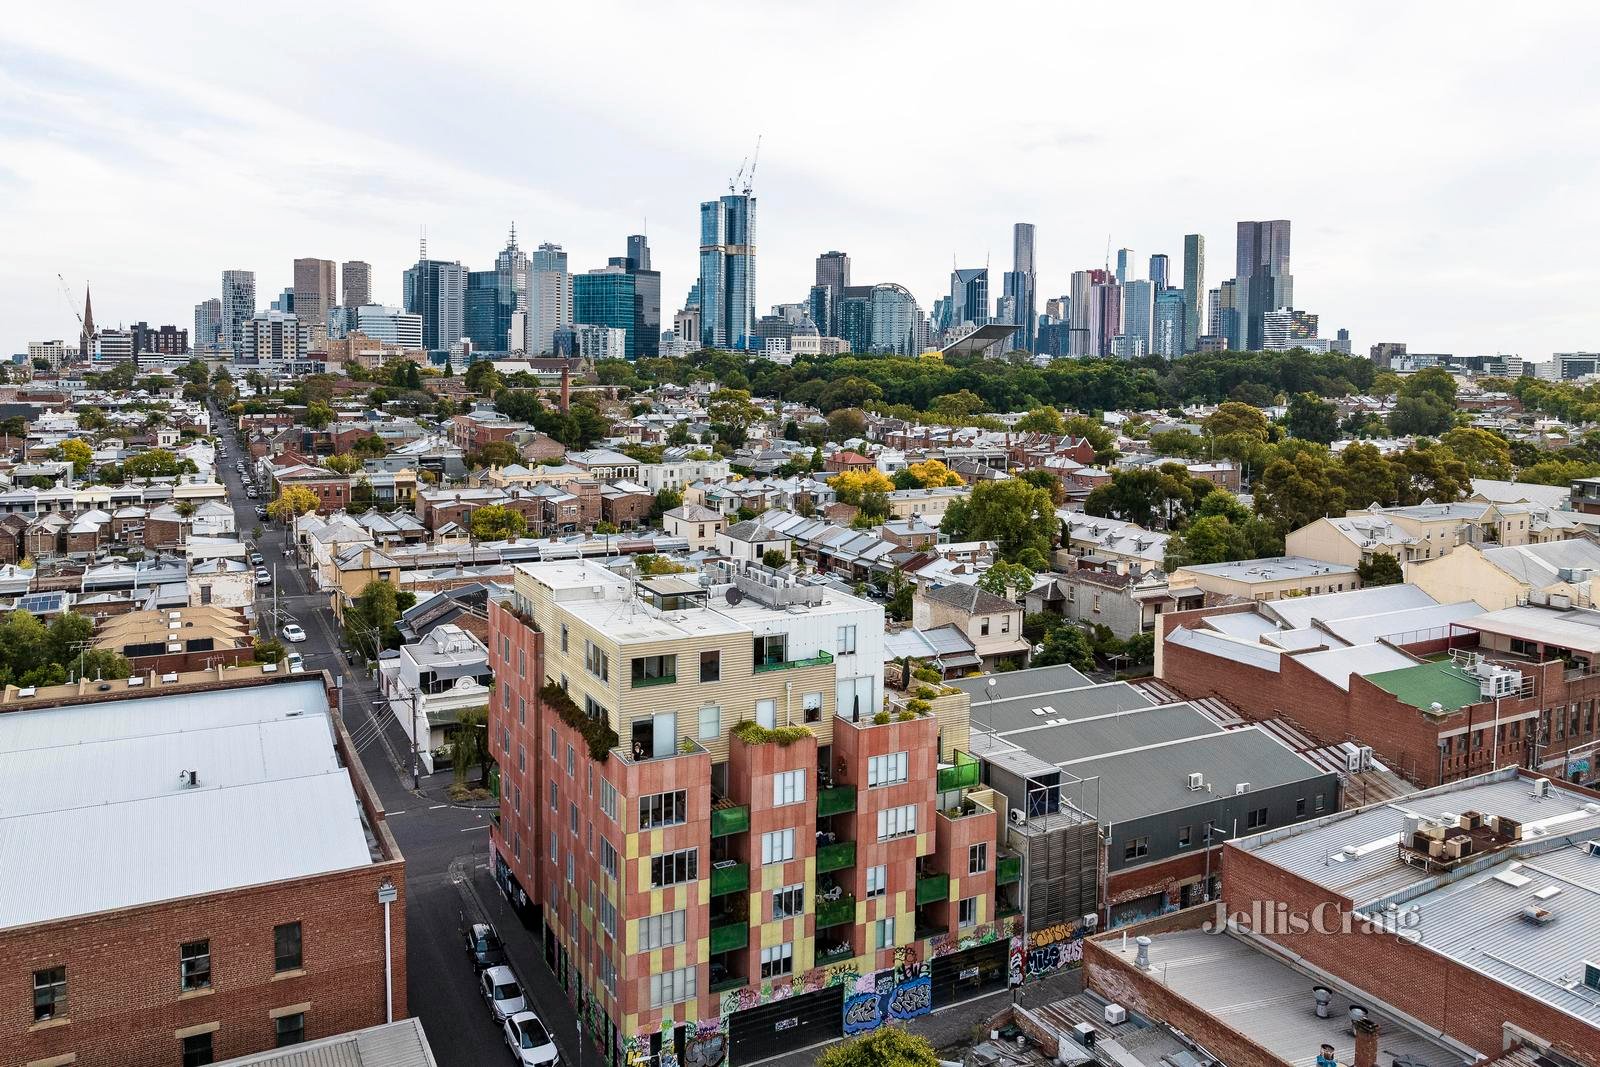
x: 788, y: 901
x: 983, y: 627
x: 596, y: 661
x: 286, y: 955
x: 788, y: 787
x: 608, y: 799
x: 1136, y: 848
x: 555, y: 745
x: 572, y: 761
x: 197, y: 1050
x: 608, y: 974
x: 608, y: 916
x: 522, y: 758
x: 669, y: 987
x: 897, y: 822
x: 1317, y: 803
x: 572, y: 819
x: 205, y: 598
x: 563, y: 637
x: 1185, y: 836
x: 1005, y: 624
x: 673, y: 868
x: 608, y: 857
x: 886, y: 769
x: 967, y: 912
x: 847, y: 640
x: 522, y: 711
x: 595, y: 710
x: 978, y: 858
x: 659, y: 931
x: 883, y: 933
x: 522, y: 662
x: 663, y: 809
x: 877, y: 880
x: 710, y: 722
x: 1299, y: 807
x: 777, y: 960
x: 711, y: 666
x: 767, y: 713
x: 777, y: 846
x: 291, y: 1029
x: 555, y: 797
x: 49, y: 994
x: 651, y: 669
x: 194, y: 966
x: 572, y: 870
x: 812, y: 705
x: 1255, y: 818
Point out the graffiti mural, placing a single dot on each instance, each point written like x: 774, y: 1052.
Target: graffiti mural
x: 707, y: 1046
x: 905, y: 991
x: 986, y: 934
x: 636, y: 1050
x: 1052, y: 948
x: 862, y: 1012
x: 748, y: 997
x: 1016, y: 971
x: 911, y: 999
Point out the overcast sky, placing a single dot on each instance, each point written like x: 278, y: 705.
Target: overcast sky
x: 1439, y: 163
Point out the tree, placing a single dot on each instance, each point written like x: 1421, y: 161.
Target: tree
x: 1232, y: 418
x: 1007, y: 580
x: 874, y: 507
x: 495, y: 454
x: 521, y: 405
x: 901, y: 592
x: 317, y: 416
x: 370, y: 447
x: 269, y: 651
x: 962, y: 404
x: 77, y: 453
x: 482, y: 378
x: 887, y: 1046
x: 666, y: 500
x: 1486, y: 454
x: 1017, y: 516
x: 774, y: 558
x: 649, y: 565
x: 845, y: 423
x: 1381, y: 569
x: 1368, y: 477
x: 293, y: 501
x: 1065, y: 644
x: 930, y: 473
x: 1312, y: 418
x: 1041, y: 420
x: 1044, y: 479
x: 495, y: 522
x: 343, y: 463
x: 734, y: 412
x: 1148, y: 496
x: 1293, y: 492
x: 469, y: 741
x: 851, y: 392
x: 369, y: 620
x: 156, y: 463
x: 1423, y: 414
x: 852, y: 485
x: 1100, y: 436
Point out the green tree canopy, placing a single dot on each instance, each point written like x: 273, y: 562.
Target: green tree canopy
x: 887, y: 1046
x: 1017, y: 516
x: 1381, y: 569
x: 495, y: 522
x: 1312, y: 418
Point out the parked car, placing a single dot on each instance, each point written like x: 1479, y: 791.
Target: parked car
x: 250, y: 492
x: 262, y: 577
x: 261, y: 511
x: 530, y: 1042
x: 294, y: 633
x: 484, y: 947
x: 297, y: 663
x: 500, y: 988
x: 256, y: 560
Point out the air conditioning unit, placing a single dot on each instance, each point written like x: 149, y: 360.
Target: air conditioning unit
x: 1591, y: 975
x: 1352, y: 761
x: 1541, y: 787
x: 1019, y: 816
x: 1115, y: 1014
x: 1366, y: 757
x: 1085, y: 1034
x: 1197, y: 781
x: 1091, y: 920
x: 1242, y: 787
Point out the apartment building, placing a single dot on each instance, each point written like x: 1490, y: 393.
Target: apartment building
x: 733, y: 842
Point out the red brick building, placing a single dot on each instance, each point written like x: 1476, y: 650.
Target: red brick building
x: 140, y: 954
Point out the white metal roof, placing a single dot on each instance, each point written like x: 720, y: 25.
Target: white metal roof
x: 1298, y: 612
x: 1338, y: 664
x: 1255, y: 655
x: 1577, y: 629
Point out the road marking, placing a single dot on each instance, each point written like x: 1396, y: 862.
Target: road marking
x: 402, y: 811
x: 469, y: 829
x: 436, y: 807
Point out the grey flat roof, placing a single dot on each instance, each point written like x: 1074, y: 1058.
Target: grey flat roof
x: 1026, y: 711
x: 93, y: 818
x: 1298, y: 612
x: 1057, y: 740
x: 1269, y: 569
x: 1020, y: 683
x: 401, y: 1043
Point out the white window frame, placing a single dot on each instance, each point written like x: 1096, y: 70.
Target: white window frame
x: 891, y: 768
x: 897, y: 822
x: 789, y: 787
x: 777, y: 846
x: 877, y: 880
x: 883, y: 933
x: 608, y: 915
x: 845, y: 641
x: 610, y: 860
x: 710, y: 722
x: 777, y: 961
x: 661, y: 931
x: 967, y: 912
x: 608, y: 799
x: 671, y: 987
x: 793, y: 901
x: 978, y: 858
x: 767, y: 713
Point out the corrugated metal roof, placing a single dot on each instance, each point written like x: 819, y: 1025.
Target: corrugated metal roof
x: 1338, y: 664
x: 401, y: 1043
x: 1253, y: 655
x: 1020, y: 683
x: 1398, y: 625
x: 1298, y: 612
x: 1577, y: 629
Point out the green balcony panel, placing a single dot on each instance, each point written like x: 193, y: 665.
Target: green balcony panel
x: 838, y: 955
x: 836, y: 857
x: 836, y: 912
x: 737, y: 981
x: 734, y: 878
x: 789, y: 664
x: 730, y: 820
x: 660, y: 679
x: 836, y: 801
x: 727, y: 936
x: 932, y: 888
x: 963, y: 774
x: 1008, y: 870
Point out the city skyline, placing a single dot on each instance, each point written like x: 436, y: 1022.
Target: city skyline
x: 1434, y: 221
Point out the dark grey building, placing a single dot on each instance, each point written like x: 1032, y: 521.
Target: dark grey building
x: 1262, y: 279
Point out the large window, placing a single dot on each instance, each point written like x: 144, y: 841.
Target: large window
x: 659, y: 931
x: 883, y: 933
x: 777, y: 960
x: 897, y: 822
x: 608, y: 916
x: 788, y: 787
x: 649, y: 670
x: 673, y: 868
x: 49, y: 994
x: 711, y: 666
x: 978, y: 858
x: 1256, y: 818
x: 669, y: 987
x: 788, y: 901
x: 777, y: 846
x: 967, y: 912
x: 286, y: 954
x: 596, y: 661
x: 663, y: 809
x: 767, y: 713
x: 1136, y: 848
x: 886, y: 769
x: 197, y: 1050
x: 608, y: 857
x: 290, y: 1029
x: 194, y: 966
x: 846, y: 643
x: 710, y: 722
x: 877, y: 880
x: 608, y: 799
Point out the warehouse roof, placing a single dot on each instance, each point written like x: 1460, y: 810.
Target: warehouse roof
x: 1577, y: 629
x: 1022, y: 683
x: 1297, y: 612
x: 401, y: 1043
x: 1338, y: 664
x: 1427, y: 684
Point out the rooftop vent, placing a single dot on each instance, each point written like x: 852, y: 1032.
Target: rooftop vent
x: 169, y: 678
x: 188, y: 779
x: 1537, y: 915
x: 1197, y: 780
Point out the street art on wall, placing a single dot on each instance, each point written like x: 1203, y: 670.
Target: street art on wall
x: 767, y: 992
x: 1016, y: 972
x: 986, y: 934
x: 904, y: 991
x: 1052, y: 948
x: 706, y: 1046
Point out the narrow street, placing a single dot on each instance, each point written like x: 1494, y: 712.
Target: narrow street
x: 445, y: 845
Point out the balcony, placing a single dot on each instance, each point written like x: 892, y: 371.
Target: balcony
x: 729, y: 935
x: 1008, y: 870
x: 836, y: 857
x: 790, y: 664
x: 835, y: 800
x: 963, y: 774
x: 660, y: 679
x: 932, y: 888
x: 836, y: 912
x: 732, y: 878
x: 834, y: 953
x: 730, y: 819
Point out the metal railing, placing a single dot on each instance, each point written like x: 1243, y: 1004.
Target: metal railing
x: 789, y: 664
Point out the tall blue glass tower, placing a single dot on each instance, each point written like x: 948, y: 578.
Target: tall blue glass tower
x: 728, y: 272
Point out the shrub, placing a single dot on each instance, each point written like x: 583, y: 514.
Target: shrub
x: 918, y: 707
x: 597, y: 732
x: 906, y: 716
x: 881, y: 718
x: 927, y: 674
x: 753, y: 733
x: 925, y: 692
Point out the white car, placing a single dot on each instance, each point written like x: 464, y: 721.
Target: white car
x: 297, y: 663
x: 499, y: 987
x: 293, y: 632
x: 262, y: 577
x: 530, y: 1043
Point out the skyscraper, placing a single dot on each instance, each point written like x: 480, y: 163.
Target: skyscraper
x: 1158, y: 271
x: 639, y: 251
x: 605, y: 297
x: 207, y: 325
x: 436, y: 289
x: 238, y: 304
x: 357, y: 278
x: 1166, y: 331
x: 1078, y: 311
x: 1126, y: 265
x: 1020, y: 286
x: 1138, y: 300
x: 1105, y: 313
x: 833, y: 271
x: 969, y: 297
x: 1228, y: 318
x: 645, y: 340
x: 1262, y: 276
x: 1194, y: 290
x: 728, y: 271
x: 316, y: 289
x: 549, y: 298
x: 487, y: 311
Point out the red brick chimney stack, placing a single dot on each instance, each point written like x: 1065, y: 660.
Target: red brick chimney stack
x: 1366, y: 1043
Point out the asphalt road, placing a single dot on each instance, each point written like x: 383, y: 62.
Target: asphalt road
x: 445, y: 846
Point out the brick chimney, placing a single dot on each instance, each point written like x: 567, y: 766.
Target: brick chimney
x: 566, y: 388
x: 1366, y: 1043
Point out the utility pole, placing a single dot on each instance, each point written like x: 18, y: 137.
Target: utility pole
x: 414, y: 776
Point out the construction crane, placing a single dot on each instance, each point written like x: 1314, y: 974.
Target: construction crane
x: 66, y: 294
x: 733, y: 182
x: 750, y: 182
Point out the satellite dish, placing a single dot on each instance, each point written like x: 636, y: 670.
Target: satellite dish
x: 733, y: 596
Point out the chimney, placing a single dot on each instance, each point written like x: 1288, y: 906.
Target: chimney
x: 1366, y: 1043
x: 566, y: 388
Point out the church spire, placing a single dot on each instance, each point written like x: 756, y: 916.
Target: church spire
x: 86, y: 337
